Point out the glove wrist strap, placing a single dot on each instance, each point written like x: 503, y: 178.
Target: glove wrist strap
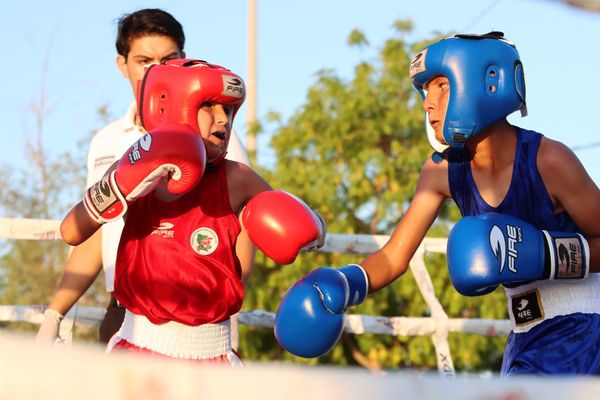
x: 567, y: 256
x: 320, y: 240
x: 103, y: 201
x: 358, y: 283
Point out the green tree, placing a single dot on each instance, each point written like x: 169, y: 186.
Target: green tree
x: 354, y: 153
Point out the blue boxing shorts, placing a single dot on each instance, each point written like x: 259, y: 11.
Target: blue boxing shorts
x: 563, y: 345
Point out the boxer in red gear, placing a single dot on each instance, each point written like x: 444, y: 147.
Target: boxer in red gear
x: 178, y: 274
x: 173, y: 150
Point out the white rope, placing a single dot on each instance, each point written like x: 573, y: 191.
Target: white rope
x: 437, y: 326
x: 40, y: 229
x: 353, y: 323
x: 440, y: 335
x: 366, y: 244
x: 29, y: 229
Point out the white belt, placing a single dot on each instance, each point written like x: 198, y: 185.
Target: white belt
x: 175, y: 339
x: 541, y: 300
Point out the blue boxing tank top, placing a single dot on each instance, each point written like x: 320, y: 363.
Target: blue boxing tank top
x: 528, y: 199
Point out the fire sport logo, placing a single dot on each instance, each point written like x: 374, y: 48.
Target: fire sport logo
x: 505, y: 247
x: 417, y: 65
x: 233, y: 87
x: 143, y: 143
x: 165, y: 230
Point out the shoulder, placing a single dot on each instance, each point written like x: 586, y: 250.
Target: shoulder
x: 242, y: 175
x: 555, y: 157
x: 569, y: 185
x: 434, y: 177
x: 560, y: 169
x: 237, y: 171
x: 243, y: 183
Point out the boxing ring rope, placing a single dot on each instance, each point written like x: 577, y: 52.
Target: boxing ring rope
x: 437, y: 326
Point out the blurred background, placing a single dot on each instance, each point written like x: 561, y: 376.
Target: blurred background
x: 334, y: 110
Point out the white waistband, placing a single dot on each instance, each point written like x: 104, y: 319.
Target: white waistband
x: 175, y: 339
x: 558, y: 298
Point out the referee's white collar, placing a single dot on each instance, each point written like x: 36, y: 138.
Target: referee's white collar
x: 130, y: 117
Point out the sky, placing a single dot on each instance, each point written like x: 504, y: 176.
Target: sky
x: 65, y: 49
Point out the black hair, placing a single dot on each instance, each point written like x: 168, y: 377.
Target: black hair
x: 149, y: 21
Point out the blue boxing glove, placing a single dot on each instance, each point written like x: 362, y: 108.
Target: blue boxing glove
x: 310, y: 318
x: 492, y: 249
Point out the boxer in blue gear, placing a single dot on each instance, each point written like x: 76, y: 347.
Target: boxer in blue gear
x: 533, y: 211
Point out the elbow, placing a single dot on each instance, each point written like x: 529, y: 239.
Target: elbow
x: 68, y: 234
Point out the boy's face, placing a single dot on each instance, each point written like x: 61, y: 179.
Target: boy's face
x: 214, y: 121
x: 144, y: 51
x: 436, y: 104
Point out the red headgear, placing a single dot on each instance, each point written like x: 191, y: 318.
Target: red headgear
x: 175, y: 91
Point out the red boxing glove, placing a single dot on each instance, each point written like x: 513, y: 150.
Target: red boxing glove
x: 172, y: 149
x: 280, y: 225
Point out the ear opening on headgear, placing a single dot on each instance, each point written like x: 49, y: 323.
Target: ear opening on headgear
x: 520, y: 86
x: 492, y: 79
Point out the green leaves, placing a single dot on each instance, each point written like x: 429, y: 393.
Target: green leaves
x: 354, y: 152
x: 30, y: 270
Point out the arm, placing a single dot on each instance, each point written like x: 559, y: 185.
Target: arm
x: 245, y: 250
x: 243, y: 183
x: 278, y: 223
x: 173, y: 152
x: 83, y: 266
x: 573, y: 191
x: 310, y: 318
x: 389, y: 263
x: 492, y: 249
x: 77, y: 226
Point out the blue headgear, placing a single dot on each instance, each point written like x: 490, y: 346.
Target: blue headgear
x: 486, y: 83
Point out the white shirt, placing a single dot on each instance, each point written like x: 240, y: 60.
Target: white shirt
x: 108, y: 145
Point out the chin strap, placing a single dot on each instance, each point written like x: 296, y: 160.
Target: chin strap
x: 451, y: 155
x: 437, y: 157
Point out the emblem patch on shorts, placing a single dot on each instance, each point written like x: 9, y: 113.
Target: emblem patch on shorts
x: 204, y: 241
x: 527, y: 307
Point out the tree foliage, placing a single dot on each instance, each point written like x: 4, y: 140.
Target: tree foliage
x: 354, y: 151
x: 45, y: 189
